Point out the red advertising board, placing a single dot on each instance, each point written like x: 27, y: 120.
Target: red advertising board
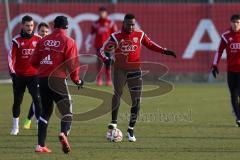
x: 192, y: 30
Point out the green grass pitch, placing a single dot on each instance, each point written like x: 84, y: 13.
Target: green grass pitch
x: 193, y: 121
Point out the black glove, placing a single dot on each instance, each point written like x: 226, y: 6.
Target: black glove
x: 215, y: 71
x: 170, y: 53
x: 79, y: 83
x: 12, y: 75
x: 109, y: 61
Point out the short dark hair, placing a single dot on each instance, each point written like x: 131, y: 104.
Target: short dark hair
x: 102, y: 9
x: 61, y: 22
x: 129, y: 16
x: 42, y: 24
x: 235, y: 17
x: 26, y: 18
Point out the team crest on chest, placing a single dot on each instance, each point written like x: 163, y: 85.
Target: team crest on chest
x: 34, y: 43
x: 230, y: 39
x: 135, y: 39
x: 22, y: 44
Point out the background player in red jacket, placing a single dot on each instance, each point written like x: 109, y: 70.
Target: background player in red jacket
x: 100, y: 31
x: 22, y: 73
x: 230, y: 40
x: 125, y: 46
x: 43, y: 30
x: 54, y: 55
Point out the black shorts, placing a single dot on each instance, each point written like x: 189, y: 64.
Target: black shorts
x: 54, y: 90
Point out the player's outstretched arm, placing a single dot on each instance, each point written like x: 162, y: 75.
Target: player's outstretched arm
x: 170, y: 53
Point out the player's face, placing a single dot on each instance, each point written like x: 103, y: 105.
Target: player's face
x: 43, y: 31
x: 103, y: 14
x: 236, y: 25
x: 28, y: 27
x: 129, y: 25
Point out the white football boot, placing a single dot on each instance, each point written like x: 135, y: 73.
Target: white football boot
x: 130, y: 135
x: 15, y: 129
x: 237, y: 123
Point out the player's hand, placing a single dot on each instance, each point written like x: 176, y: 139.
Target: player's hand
x: 170, y: 53
x: 109, y: 61
x: 215, y: 71
x: 12, y: 75
x: 79, y: 83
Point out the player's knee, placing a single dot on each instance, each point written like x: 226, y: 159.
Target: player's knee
x: 117, y: 94
x: 43, y: 119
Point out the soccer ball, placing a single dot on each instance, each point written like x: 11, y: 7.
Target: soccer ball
x: 114, y: 135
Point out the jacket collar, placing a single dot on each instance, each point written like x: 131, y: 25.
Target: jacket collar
x: 126, y: 33
x: 26, y: 35
x: 59, y: 30
x: 238, y: 32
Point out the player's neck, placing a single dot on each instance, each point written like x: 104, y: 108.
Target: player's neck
x: 26, y: 35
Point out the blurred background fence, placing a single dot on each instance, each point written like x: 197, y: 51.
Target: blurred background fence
x: 192, y: 28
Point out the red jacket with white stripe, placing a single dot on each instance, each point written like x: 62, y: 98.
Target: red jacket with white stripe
x: 230, y: 41
x: 55, y: 54
x: 20, y: 54
x: 126, y: 48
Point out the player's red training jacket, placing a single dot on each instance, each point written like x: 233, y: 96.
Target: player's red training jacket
x: 102, y: 29
x: 230, y: 41
x: 20, y: 54
x: 126, y: 48
x: 55, y: 54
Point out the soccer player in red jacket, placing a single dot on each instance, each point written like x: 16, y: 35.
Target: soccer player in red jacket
x: 125, y: 47
x: 230, y: 41
x: 22, y: 73
x: 101, y: 30
x: 54, y: 55
x: 43, y: 30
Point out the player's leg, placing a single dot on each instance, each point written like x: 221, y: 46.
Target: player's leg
x: 27, y: 122
x: 238, y: 91
x: 108, y: 72
x: 33, y: 88
x: 47, y: 109
x: 119, y: 81
x: 19, y: 86
x: 134, y: 80
x: 232, y: 79
x: 99, y: 69
x: 64, y: 104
